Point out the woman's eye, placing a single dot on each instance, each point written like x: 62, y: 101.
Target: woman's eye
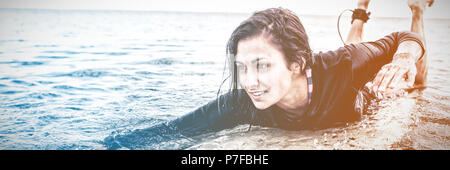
x: 241, y: 68
x: 262, y: 66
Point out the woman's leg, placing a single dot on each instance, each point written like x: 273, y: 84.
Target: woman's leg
x: 417, y: 8
x: 356, y: 30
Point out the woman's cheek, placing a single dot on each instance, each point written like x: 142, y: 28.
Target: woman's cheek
x: 241, y: 81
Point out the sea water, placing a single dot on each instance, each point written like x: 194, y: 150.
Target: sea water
x: 69, y: 79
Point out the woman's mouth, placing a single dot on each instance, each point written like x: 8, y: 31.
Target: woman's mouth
x: 258, y: 94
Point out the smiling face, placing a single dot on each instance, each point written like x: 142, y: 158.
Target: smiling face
x: 263, y: 72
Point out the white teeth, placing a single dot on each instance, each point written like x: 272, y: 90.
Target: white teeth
x: 258, y: 93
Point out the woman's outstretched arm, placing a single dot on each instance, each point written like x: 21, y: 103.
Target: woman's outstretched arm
x: 229, y: 110
x: 388, y: 63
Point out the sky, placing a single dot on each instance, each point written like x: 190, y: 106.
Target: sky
x: 379, y: 8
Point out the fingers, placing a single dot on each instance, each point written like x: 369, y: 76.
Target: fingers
x: 390, y: 79
x: 377, y: 80
x: 383, y: 79
x: 411, y: 77
x: 398, y: 79
x: 389, y: 75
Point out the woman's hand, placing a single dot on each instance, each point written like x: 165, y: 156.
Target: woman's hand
x: 394, y: 77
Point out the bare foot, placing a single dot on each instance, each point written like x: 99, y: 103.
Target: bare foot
x: 419, y: 5
x: 363, y: 4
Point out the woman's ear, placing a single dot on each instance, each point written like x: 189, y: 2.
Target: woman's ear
x: 298, y: 67
x: 295, y: 66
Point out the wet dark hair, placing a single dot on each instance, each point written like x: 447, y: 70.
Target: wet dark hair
x: 282, y: 28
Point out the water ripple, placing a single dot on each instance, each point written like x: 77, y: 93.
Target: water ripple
x: 73, y: 108
x: 161, y: 61
x: 67, y: 87
x: 23, y: 83
x: 45, y: 82
x: 26, y: 105
x: 24, y: 63
x: 119, y: 88
x: 43, y: 95
x: 11, y: 92
x: 110, y: 53
x: 148, y: 73
x: 31, y: 63
x: 83, y: 73
x: 52, y: 57
x: 130, y: 48
x: 63, y: 52
x: 45, y: 45
x: 164, y: 45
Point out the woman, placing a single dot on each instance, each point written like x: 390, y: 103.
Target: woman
x: 277, y: 81
x: 286, y: 86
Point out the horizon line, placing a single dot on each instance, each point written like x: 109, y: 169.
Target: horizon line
x: 201, y: 12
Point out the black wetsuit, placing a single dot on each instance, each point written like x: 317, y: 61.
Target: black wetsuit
x: 337, y: 77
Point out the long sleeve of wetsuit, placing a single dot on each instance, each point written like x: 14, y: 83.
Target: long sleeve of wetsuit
x: 233, y: 111
x: 229, y: 110
x: 369, y: 57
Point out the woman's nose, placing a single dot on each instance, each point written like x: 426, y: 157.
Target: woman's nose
x: 252, y: 79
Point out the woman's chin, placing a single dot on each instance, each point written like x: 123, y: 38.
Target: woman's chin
x: 261, y: 105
